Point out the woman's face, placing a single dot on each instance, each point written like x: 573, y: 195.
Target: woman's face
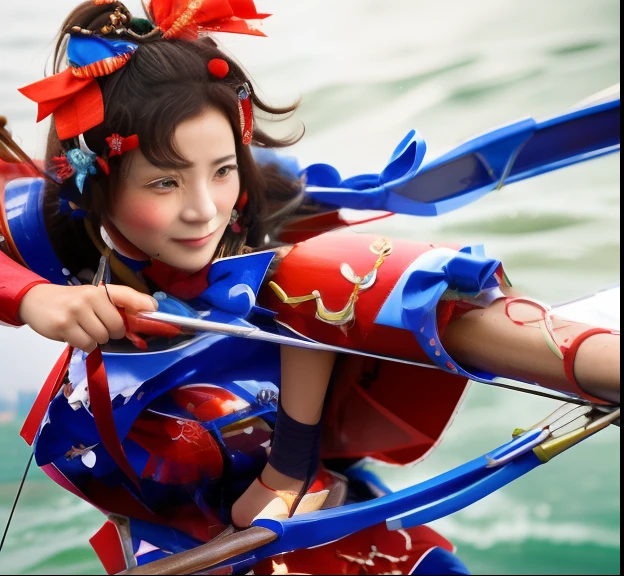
x: 179, y: 215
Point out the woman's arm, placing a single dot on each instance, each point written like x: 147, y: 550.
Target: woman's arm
x: 487, y: 339
x: 82, y: 316
x: 15, y: 282
x: 305, y: 377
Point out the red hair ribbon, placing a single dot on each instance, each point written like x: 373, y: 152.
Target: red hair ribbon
x: 77, y: 103
x: 186, y: 18
x: 73, y: 96
x: 118, y: 144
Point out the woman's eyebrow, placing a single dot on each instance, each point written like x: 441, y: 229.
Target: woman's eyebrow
x: 190, y: 165
x: 229, y: 158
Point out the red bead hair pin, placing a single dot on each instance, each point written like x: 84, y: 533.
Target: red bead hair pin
x: 218, y: 67
x: 246, y: 112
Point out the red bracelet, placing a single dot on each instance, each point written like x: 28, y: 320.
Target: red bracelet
x: 569, y: 357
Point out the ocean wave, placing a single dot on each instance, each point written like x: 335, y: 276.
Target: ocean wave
x: 506, y: 520
x: 522, y: 530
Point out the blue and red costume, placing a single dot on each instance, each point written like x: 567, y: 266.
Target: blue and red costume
x: 70, y: 448
x: 169, y: 438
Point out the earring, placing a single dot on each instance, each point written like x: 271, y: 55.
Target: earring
x: 236, y: 228
x: 237, y: 212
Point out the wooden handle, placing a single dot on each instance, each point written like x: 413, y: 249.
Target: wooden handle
x: 208, y: 554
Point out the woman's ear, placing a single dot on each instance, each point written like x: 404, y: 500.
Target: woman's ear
x: 115, y: 240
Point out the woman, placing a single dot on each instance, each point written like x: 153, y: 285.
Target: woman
x: 149, y: 156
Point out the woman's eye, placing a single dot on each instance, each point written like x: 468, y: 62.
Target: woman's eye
x: 163, y: 184
x: 225, y: 170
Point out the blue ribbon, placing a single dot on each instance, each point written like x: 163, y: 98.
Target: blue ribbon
x: 231, y: 295
x: 466, y: 273
x: 84, y: 50
x: 234, y: 283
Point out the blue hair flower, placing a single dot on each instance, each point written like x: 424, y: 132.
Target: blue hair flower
x: 83, y: 164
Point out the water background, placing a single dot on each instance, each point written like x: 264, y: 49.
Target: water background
x: 367, y: 72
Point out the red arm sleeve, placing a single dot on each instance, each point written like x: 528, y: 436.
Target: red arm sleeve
x: 15, y: 282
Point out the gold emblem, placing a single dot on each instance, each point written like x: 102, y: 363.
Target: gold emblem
x: 342, y: 318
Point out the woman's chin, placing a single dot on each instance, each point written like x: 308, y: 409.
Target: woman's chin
x: 188, y: 258
x: 186, y: 262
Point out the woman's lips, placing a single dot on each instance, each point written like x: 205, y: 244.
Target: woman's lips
x: 194, y: 242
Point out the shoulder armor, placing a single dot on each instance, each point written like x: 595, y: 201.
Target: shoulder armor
x: 23, y: 227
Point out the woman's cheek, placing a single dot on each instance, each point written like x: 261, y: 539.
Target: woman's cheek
x: 145, y: 215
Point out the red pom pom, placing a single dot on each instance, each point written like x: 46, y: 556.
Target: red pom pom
x: 218, y: 67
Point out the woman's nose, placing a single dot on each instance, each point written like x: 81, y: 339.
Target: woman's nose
x: 200, y: 206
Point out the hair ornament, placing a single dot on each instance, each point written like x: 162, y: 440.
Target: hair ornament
x: 118, y: 145
x: 74, y: 96
x: 218, y: 67
x: 103, y: 164
x: 82, y: 163
x: 246, y: 112
x: 119, y: 21
x: 186, y: 19
x: 76, y: 163
x: 93, y: 56
x: 62, y: 168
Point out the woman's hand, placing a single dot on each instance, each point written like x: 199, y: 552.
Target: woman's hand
x: 82, y: 316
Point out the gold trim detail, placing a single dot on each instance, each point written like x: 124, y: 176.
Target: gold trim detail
x: 102, y: 67
x: 185, y: 19
x: 344, y: 317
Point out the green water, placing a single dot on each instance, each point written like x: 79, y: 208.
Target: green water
x: 368, y: 71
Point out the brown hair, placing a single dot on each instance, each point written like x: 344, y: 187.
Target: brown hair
x: 164, y: 83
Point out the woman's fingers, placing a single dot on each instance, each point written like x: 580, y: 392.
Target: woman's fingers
x: 106, y: 321
x: 109, y: 316
x: 94, y: 328
x: 112, y: 297
x: 79, y: 339
x: 125, y: 297
x: 81, y: 315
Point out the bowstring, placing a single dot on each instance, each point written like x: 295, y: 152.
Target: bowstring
x: 101, y: 277
x: 17, y: 496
